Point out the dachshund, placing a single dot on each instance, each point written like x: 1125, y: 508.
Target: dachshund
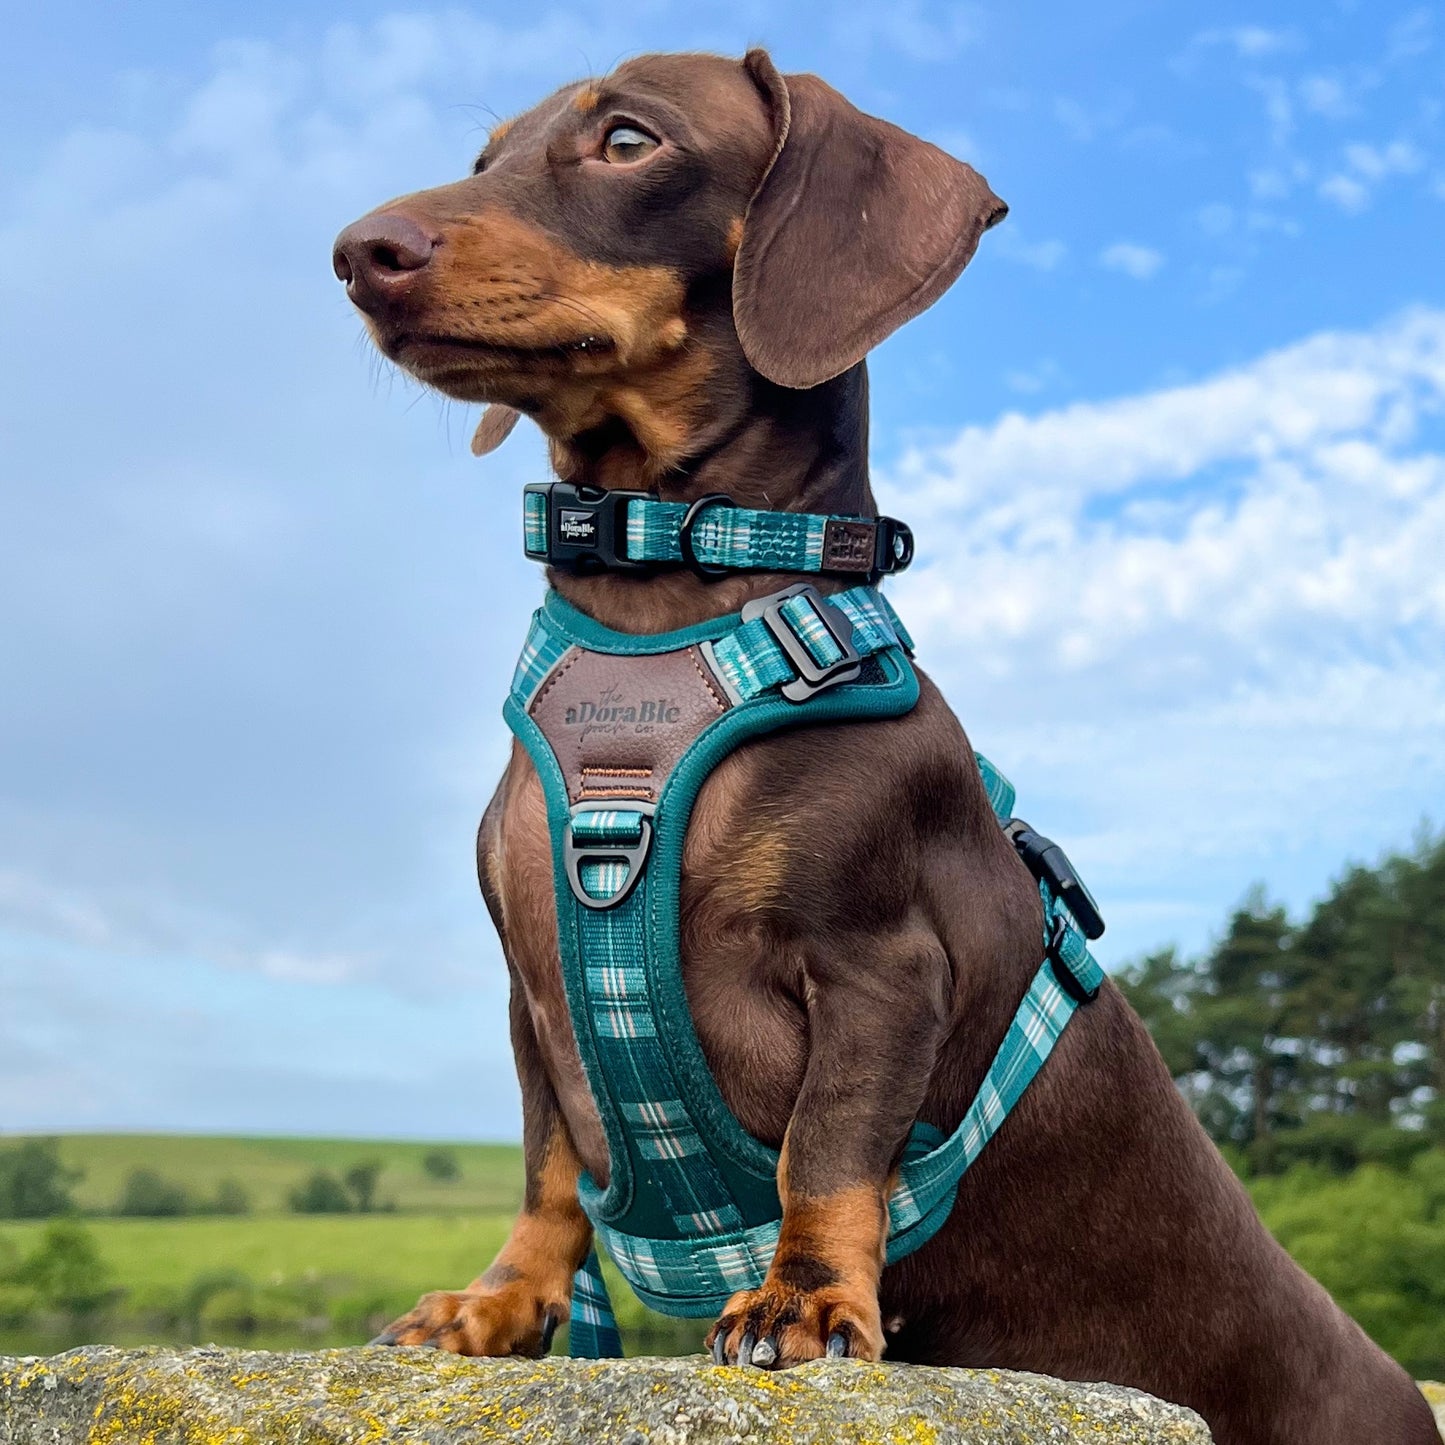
x: 676, y: 272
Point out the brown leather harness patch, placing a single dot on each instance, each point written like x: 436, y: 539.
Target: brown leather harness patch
x: 619, y: 725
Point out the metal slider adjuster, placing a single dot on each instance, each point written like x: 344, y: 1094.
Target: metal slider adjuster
x: 812, y: 677
x: 575, y: 853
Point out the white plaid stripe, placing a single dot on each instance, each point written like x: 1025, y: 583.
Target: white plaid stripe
x: 634, y: 1257
x: 1000, y: 791
x: 618, y: 984
x: 603, y: 879
x: 588, y: 1304
x: 540, y: 654
x: 623, y: 1021
x: 751, y: 660
x: 694, y: 1270
x: 811, y: 630
x: 607, y: 825
x: 727, y: 536
x: 534, y: 523
x: 742, y: 1262
x: 662, y: 1131
x: 709, y: 1221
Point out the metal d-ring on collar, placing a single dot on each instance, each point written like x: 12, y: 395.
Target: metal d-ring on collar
x: 708, y: 571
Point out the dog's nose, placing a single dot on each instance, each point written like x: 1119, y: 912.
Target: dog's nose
x: 381, y: 257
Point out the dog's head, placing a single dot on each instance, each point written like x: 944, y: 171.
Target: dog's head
x: 637, y: 245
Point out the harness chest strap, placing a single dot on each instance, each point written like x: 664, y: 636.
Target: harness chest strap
x: 623, y: 730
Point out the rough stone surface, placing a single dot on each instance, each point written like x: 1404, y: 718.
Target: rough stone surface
x: 105, y: 1396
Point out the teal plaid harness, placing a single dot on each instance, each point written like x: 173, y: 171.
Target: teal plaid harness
x: 690, y: 1213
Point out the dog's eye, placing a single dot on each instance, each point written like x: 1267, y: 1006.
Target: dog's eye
x: 624, y: 143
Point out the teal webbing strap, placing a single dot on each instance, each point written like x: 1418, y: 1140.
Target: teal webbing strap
x: 727, y: 536
x: 751, y: 660
x: 592, y: 1329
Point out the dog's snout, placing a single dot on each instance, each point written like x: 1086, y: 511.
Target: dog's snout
x: 381, y: 257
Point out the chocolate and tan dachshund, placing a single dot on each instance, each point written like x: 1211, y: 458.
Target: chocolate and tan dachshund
x: 676, y: 272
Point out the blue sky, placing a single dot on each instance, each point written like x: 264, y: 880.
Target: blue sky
x: 1173, y: 447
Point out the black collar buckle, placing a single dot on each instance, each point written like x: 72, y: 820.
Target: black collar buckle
x: 586, y: 528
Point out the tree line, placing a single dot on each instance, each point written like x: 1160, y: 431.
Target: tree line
x: 35, y: 1183
x: 1319, y: 1041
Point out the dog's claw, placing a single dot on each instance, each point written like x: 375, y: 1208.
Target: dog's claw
x: 719, y: 1349
x: 549, y: 1328
x: 745, y: 1348
x: 765, y: 1352
x: 837, y: 1347
x: 386, y: 1337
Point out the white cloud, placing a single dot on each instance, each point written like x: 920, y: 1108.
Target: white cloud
x: 1205, y: 620
x: 916, y: 30
x: 1398, y: 158
x: 1345, y: 192
x: 1132, y: 259
x: 1034, y: 379
x: 144, y: 924
x: 1327, y: 95
x: 1249, y: 42
x: 1040, y: 255
x: 1367, y: 167
x: 1411, y: 35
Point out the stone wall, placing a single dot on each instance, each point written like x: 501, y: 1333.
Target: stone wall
x: 106, y: 1396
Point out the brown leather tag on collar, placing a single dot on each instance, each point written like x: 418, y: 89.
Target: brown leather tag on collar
x: 618, y: 725
x: 849, y: 546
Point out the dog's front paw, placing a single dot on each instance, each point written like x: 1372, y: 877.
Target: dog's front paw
x: 780, y: 1325
x: 510, y: 1321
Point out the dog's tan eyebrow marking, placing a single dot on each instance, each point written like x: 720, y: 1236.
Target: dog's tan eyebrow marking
x: 498, y: 132
x: 735, y: 235
x: 586, y: 99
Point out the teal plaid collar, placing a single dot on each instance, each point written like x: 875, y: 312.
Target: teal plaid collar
x: 589, y: 529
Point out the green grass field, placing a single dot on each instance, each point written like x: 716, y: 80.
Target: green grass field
x: 491, y: 1174
x: 358, y: 1267
x: 391, y: 1253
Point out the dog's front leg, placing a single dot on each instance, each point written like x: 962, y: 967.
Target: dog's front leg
x: 514, y: 1308
x: 876, y: 1014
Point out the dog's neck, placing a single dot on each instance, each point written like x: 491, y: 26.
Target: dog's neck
x: 763, y: 445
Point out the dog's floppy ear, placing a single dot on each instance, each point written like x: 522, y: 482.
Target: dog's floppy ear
x: 856, y: 228
x: 494, y: 428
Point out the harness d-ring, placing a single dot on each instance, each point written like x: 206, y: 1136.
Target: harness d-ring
x: 708, y: 571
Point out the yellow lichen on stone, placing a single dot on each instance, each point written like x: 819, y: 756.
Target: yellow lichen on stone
x: 375, y: 1397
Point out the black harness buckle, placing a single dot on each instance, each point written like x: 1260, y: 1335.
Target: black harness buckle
x: 1050, y: 864
x: 1064, y: 976
x: 812, y: 678
x: 587, y: 528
